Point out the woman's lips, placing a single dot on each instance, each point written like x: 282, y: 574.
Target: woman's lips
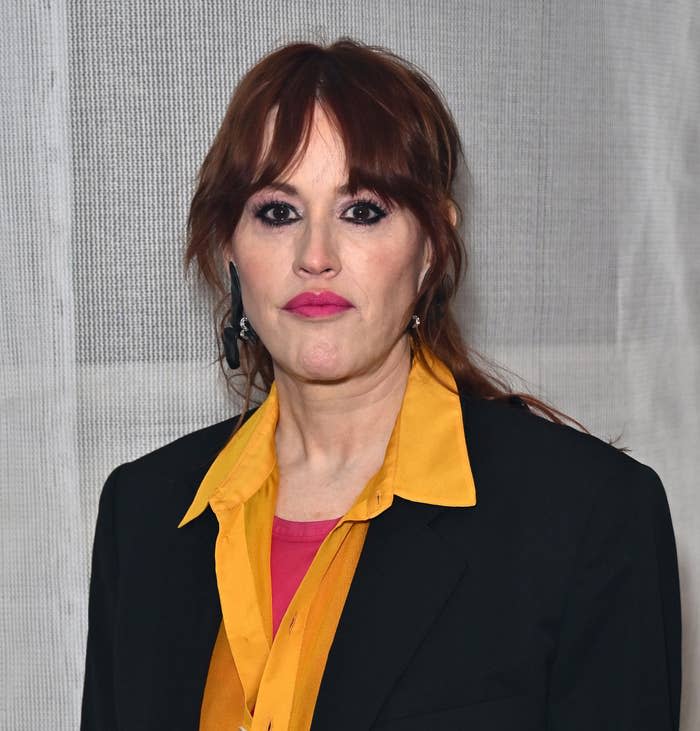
x: 317, y: 304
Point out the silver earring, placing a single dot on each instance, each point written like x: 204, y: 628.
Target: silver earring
x: 415, y: 321
x: 243, y: 324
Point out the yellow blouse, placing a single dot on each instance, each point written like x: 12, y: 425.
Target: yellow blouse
x: 258, y: 682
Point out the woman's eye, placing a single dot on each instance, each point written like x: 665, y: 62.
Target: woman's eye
x: 364, y: 213
x: 279, y: 213
x: 276, y: 213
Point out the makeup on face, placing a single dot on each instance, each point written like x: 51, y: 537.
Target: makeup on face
x: 273, y: 210
x: 317, y: 304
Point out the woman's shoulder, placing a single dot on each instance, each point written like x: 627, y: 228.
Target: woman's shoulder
x: 170, y: 473
x: 509, y: 440
x: 183, y: 453
x: 558, y: 492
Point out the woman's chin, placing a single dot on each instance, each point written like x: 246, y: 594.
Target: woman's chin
x: 323, y: 362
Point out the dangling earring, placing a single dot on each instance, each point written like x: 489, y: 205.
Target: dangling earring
x: 243, y: 324
x: 244, y: 330
x: 415, y: 321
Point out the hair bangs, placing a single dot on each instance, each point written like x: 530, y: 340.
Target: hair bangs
x: 384, y: 155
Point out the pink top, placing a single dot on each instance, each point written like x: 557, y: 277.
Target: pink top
x: 294, y: 545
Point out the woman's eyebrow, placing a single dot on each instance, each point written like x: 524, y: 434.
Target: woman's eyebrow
x: 291, y: 190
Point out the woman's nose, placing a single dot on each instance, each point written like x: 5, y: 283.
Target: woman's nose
x: 316, y: 252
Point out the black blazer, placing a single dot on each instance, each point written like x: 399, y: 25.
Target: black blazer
x: 551, y: 604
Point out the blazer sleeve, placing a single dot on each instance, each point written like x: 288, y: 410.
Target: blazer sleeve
x: 618, y: 660
x: 98, y: 705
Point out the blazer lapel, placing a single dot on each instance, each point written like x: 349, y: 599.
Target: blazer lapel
x: 183, y: 641
x: 405, y: 574
x: 195, y: 600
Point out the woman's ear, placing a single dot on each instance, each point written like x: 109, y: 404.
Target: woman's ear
x: 452, y: 212
x: 226, y: 254
x: 427, y: 261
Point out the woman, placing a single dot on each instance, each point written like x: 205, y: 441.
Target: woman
x: 391, y: 540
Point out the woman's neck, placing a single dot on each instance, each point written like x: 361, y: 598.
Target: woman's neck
x: 334, y: 425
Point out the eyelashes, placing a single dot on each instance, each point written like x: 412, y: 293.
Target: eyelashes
x: 279, y: 210
x: 277, y: 213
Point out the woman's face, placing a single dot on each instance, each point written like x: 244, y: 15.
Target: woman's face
x: 356, y: 265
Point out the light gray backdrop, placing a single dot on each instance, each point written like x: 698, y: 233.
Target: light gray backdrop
x: 581, y: 126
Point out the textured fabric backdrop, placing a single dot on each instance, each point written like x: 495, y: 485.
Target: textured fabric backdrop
x: 581, y: 126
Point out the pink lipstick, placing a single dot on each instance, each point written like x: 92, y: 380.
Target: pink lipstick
x: 321, y: 304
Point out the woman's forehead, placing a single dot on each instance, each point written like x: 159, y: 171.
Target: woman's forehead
x: 314, y: 134
x: 320, y: 145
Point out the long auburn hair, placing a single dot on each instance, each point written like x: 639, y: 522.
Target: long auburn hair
x: 401, y: 143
